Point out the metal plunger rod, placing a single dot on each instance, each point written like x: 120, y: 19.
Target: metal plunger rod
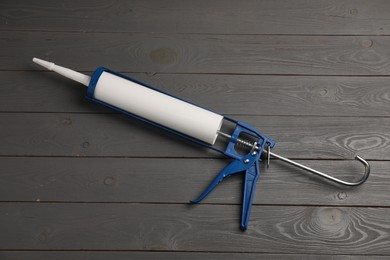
x: 246, y: 143
x: 306, y: 168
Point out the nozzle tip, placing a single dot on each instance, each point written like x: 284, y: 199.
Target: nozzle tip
x: 43, y: 63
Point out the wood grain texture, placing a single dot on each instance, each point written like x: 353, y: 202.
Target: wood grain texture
x: 42, y: 134
x: 181, y: 180
x: 78, y: 181
x: 101, y: 255
x: 214, y: 17
x: 226, y: 94
x: 234, y: 54
x: 309, y: 230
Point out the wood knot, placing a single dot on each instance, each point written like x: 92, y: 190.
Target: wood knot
x: 353, y: 11
x: 85, y: 144
x: 366, y: 142
x: 163, y: 55
x: 342, y: 195
x: 67, y: 121
x: 109, y: 181
x: 367, y: 43
x: 329, y: 216
x: 43, y: 236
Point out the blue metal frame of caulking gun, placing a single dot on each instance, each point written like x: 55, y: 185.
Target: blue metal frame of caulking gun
x: 248, y: 163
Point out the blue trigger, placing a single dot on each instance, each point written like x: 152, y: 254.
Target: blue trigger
x: 248, y: 164
x: 236, y: 166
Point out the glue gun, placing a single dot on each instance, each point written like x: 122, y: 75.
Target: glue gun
x: 244, y: 145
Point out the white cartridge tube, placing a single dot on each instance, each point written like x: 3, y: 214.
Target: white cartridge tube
x: 158, y: 107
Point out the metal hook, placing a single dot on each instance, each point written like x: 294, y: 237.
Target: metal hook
x: 269, y: 154
x: 326, y: 176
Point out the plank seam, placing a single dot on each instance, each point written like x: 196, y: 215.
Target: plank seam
x: 190, y: 33
x: 180, y: 251
x: 203, y: 203
x: 152, y: 73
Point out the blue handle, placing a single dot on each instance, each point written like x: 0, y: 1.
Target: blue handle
x: 248, y: 164
x: 252, y: 174
x: 236, y: 166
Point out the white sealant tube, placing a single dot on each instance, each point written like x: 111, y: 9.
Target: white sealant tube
x: 158, y: 107
x: 149, y: 104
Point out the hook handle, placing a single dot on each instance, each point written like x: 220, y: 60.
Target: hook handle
x: 324, y: 175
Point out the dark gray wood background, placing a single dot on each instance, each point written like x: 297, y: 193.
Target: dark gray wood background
x: 78, y: 181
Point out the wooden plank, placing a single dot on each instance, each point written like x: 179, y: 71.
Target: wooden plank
x: 120, y: 255
x: 227, y: 17
x: 234, y: 54
x: 51, y: 134
x: 281, y: 229
x: 130, y: 202
x: 181, y: 180
x: 26, y: 91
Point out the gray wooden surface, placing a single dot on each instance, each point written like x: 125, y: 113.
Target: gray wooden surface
x: 78, y: 181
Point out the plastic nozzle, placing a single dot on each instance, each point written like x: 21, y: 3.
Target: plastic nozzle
x: 76, y: 76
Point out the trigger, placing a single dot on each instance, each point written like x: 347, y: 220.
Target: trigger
x: 232, y: 168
